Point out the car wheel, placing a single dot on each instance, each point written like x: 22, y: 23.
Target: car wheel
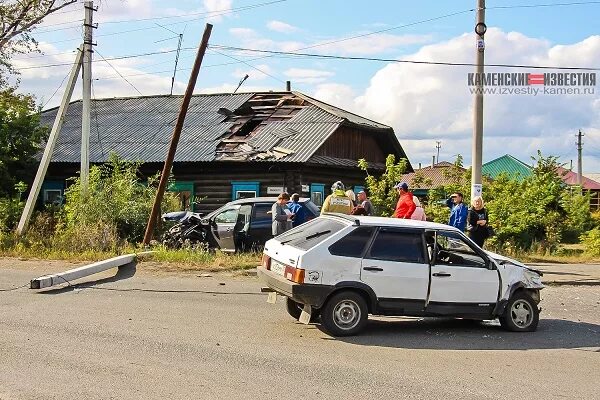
x: 345, y: 314
x: 295, y: 309
x: 521, y: 314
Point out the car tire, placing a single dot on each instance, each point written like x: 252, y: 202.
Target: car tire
x: 295, y: 309
x: 521, y: 313
x: 345, y: 314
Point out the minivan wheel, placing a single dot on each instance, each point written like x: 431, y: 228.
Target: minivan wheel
x: 345, y: 314
x: 295, y: 309
x: 521, y: 314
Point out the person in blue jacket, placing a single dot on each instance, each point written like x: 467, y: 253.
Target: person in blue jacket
x: 298, y: 210
x: 458, y: 211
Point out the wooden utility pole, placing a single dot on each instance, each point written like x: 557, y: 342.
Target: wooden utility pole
x: 43, y: 167
x: 579, y: 160
x: 476, y: 160
x: 164, y: 177
x: 88, y: 28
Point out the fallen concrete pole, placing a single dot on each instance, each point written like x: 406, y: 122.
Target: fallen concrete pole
x: 73, y: 274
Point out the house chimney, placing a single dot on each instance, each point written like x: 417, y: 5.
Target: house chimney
x: 288, y: 86
x: 432, y: 161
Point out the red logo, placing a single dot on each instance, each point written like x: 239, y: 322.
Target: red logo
x: 535, y: 79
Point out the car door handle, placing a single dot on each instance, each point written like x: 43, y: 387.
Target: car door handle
x: 372, y: 269
x: 442, y: 274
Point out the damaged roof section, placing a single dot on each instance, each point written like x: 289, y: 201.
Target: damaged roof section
x: 267, y: 126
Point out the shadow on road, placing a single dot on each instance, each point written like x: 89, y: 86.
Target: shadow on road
x: 452, y: 334
x: 124, y: 272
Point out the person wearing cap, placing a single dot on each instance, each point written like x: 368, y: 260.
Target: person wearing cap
x: 365, y: 203
x: 458, y: 211
x: 337, y: 201
x: 405, y: 206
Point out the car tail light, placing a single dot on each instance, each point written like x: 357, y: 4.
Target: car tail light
x: 266, y: 261
x: 294, y: 274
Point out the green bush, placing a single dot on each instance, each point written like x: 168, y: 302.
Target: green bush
x: 115, y: 198
x: 591, y: 242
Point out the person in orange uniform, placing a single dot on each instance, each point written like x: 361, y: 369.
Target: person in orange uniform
x: 405, y: 206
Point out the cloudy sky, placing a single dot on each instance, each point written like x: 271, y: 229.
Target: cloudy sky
x: 423, y: 103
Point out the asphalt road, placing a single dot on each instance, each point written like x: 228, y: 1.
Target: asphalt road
x: 174, y: 337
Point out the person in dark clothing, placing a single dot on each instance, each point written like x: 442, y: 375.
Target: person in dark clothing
x: 281, y: 215
x: 477, y: 222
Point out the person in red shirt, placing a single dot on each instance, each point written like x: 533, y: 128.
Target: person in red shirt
x: 405, y: 206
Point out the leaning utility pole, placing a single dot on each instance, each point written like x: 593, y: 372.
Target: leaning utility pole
x: 43, y: 167
x: 88, y: 28
x: 476, y: 158
x: 579, y: 161
x: 164, y: 176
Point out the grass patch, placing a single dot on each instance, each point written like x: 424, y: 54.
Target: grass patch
x: 194, y: 260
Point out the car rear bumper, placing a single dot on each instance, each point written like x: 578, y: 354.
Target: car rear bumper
x: 313, y: 295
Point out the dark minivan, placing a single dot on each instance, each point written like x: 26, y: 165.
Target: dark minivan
x: 245, y: 224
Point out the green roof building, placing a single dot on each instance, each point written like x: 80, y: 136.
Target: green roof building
x: 508, y: 164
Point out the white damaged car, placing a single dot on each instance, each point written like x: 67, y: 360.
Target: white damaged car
x: 342, y: 268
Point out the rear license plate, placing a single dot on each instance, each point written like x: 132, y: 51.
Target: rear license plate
x: 277, y: 267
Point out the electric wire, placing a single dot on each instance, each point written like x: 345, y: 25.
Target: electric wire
x: 393, y: 60
x: 57, y: 89
x: 250, y: 65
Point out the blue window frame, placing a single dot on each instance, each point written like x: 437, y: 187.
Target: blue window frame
x: 52, y: 192
x: 243, y: 190
x: 317, y: 193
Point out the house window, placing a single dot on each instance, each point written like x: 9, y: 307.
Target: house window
x: 53, y: 196
x: 185, y: 193
x: 317, y: 193
x: 244, y: 190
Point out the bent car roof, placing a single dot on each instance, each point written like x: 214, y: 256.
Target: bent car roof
x: 388, y: 221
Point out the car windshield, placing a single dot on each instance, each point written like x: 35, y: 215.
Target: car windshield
x: 309, y: 234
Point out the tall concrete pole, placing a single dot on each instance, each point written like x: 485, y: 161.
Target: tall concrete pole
x: 579, y: 159
x: 187, y: 97
x: 477, y: 150
x: 52, y: 138
x: 87, y: 94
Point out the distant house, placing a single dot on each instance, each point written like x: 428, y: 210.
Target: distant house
x: 507, y: 164
x: 232, y: 145
x: 432, y: 176
x: 518, y: 169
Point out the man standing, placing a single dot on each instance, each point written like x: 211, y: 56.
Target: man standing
x: 458, y: 211
x: 364, y: 203
x: 337, y: 201
x: 297, y: 209
x: 405, y: 206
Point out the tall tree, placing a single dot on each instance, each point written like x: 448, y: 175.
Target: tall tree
x: 20, y: 139
x: 17, y: 20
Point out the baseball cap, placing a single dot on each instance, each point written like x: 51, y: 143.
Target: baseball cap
x: 401, y: 185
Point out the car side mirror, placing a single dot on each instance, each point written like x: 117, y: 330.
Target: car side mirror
x: 489, y: 264
x: 205, y: 222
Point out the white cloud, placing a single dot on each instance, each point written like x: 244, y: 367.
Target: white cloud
x: 310, y: 76
x: 336, y: 93
x: 218, y: 7
x: 281, y: 27
x: 424, y: 103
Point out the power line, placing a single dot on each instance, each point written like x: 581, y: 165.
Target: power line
x: 575, y: 3
x: 110, y: 59
x: 392, y: 60
x: 250, y: 65
x: 210, y: 14
x: 57, y: 89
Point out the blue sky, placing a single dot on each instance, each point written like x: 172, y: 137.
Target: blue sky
x: 422, y: 103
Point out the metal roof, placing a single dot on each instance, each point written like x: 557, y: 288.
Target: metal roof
x: 140, y: 128
x: 437, y: 174
x: 508, y: 164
